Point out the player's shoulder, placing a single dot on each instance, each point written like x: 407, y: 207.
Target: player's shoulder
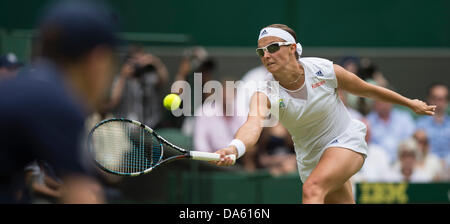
x: 40, y: 94
x: 321, y: 67
x: 316, y: 61
x: 268, y: 86
x: 264, y: 80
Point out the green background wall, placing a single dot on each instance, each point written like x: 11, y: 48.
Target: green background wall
x: 409, y: 40
x: 391, y: 23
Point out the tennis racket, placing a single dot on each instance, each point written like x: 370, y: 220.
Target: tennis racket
x: 129, y: 148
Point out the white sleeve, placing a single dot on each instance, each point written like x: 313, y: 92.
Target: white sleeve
x: 323, y: 69
x: 329, y: 73
x: 269, y: 87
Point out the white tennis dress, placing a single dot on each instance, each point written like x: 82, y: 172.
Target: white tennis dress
x: 315, y: 116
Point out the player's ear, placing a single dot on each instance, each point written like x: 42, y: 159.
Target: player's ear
x: 293, y: 48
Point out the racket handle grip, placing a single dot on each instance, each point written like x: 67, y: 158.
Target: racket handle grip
x: 208, y: 156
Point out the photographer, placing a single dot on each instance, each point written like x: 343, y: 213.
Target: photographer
x: 136, y: 92
x: 194, y: 60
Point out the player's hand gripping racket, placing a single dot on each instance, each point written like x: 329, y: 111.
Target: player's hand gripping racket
x: 126, y: 147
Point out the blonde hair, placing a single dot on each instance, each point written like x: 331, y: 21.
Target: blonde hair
x: 409, y: 145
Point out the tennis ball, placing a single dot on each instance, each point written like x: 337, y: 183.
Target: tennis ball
x: 172, y: 101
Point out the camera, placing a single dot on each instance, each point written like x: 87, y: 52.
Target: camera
x: 140, y: 70
x: 196, y: 56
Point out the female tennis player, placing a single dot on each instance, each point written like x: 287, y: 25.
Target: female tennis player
x: 330, y: 146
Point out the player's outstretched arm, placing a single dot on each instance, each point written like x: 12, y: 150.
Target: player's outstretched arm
x: 250, y: 131
x: 353, y: 84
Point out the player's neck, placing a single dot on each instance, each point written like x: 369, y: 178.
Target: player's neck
x: 291, y: 77
x: 79, y: 86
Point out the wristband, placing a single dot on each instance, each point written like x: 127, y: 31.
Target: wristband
x: 239, y: 146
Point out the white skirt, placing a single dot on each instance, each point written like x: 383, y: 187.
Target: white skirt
x: 353, y: 138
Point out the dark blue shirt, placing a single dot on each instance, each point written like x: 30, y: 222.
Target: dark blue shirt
x: 40, y: 118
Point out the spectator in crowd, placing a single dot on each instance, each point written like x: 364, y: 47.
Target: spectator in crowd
x: 137, y: 90
x: 9, y: 66
x: 196, y: 64
x: 390, y: 126
x: 215, y: 126
x: 366, y: 71
x: 445, y: 174
x: 406, y: 168
x: 427, y: 161
x: 438, y: 126
x: 353, y: 113
x: 195, y: 60
x: 250, y: 83
x: 42, y: 113
x: 352, y: 65
x: 369, y: 72
x: 276, y: 153
x: 376, y: 167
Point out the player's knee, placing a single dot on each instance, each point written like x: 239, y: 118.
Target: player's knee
x: 312, y: 189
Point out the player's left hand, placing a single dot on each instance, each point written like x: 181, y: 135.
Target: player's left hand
x: 420, y: 107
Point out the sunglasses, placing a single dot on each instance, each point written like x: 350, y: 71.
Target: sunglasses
x: 271, y: 48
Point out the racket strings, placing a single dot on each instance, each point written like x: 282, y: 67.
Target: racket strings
x: 124, y: 147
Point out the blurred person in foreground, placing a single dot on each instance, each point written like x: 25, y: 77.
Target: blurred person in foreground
x: 9, y: 66
x: 43, y: 111
x: 438, y: 126
x: 42, y: 186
